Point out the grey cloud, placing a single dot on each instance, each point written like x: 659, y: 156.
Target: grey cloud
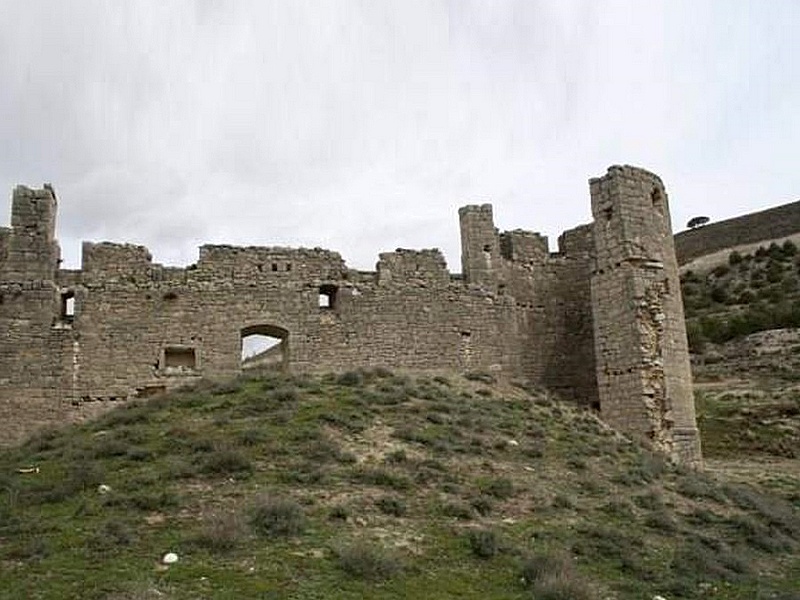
x: 362, y: 126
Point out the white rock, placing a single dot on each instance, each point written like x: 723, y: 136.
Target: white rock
x: 513, y: 443
x: 169, y: 558
x: 103, y: 488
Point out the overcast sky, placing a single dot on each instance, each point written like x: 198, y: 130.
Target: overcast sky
x: 361, y: 126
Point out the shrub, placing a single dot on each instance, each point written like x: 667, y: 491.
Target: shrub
x: 80, y: 477
x: 221, y: 533
x: 481, y: 376
x: 382, y: 477
x: 285, y: 394
x: 350, y: 378
x: 390, y: 505
x: 277, y: 517
x: 396, y: 457
x: 697, y: 561
x: 252, y: 437
x: 150, y: 501
x: 721, y: 270
x: 339, y: 513
x: 483, y: 505
x: 501, y: 488
x: 774, y: 271
x: 734, y: 258
x: 698, y: 486
x: 226, y: 461
x: 109, y: 536
x: 775, y: 252
x: 367, y: 561
x: 483, y: 543
x: 457, y: 510
x: 662, y: 521
x: 719, y: 294
x: 552, y: 577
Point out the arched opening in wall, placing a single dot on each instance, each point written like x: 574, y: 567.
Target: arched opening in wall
x: 264, y: 346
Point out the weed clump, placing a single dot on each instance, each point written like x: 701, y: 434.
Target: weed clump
x: 501, y: 488
x: 481, y: 376
x: 221, y: 533
x: 350, y: 378
x: 277, y: 517
x: 381, y: 477
x: 365, y: 560
x: 226, y: 461
x: 553, y: 577
x: 391, y: 505
x: 483, y: 543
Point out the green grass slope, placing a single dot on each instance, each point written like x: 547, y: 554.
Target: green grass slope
x: 748, y: 293
x: 376, y: 485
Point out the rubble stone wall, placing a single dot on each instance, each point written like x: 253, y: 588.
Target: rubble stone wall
x: 79, y: 341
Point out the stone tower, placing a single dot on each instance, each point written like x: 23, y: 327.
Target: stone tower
x: 32, y: 249
x: 643, y: 373
x: 480, y: 249
x: 33, y: 361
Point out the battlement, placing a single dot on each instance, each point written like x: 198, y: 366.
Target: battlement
x: 598, y: 321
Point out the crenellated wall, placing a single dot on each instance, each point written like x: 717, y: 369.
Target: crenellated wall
x: 123, y: 326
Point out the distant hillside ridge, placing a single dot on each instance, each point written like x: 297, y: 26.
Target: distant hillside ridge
x: 764, y: 225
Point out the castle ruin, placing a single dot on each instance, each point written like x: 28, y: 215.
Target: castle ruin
x: 600, y: 321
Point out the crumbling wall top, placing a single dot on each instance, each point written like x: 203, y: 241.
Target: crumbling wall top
x: 523, y: 246
x: 107, y: 260
x: 578, y: 241
x: 426, y: 266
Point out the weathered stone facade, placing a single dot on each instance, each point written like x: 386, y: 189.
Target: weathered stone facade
x: 78, y: 341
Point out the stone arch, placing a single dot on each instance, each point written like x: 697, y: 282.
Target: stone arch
x: 264, y: 345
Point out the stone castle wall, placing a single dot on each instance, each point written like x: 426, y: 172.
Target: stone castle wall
x: 122, y: 326
x: 778, y: 222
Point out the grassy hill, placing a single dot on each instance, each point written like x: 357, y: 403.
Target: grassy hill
x: 742, y: 310
x: 748, y: 293
x: 370, y: 484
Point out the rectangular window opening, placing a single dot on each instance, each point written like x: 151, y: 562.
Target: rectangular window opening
x: 179, y: 358
x: 68, y: 307
x: 327, y: 296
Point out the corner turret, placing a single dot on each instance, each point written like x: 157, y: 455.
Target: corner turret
x: 643, y: 371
